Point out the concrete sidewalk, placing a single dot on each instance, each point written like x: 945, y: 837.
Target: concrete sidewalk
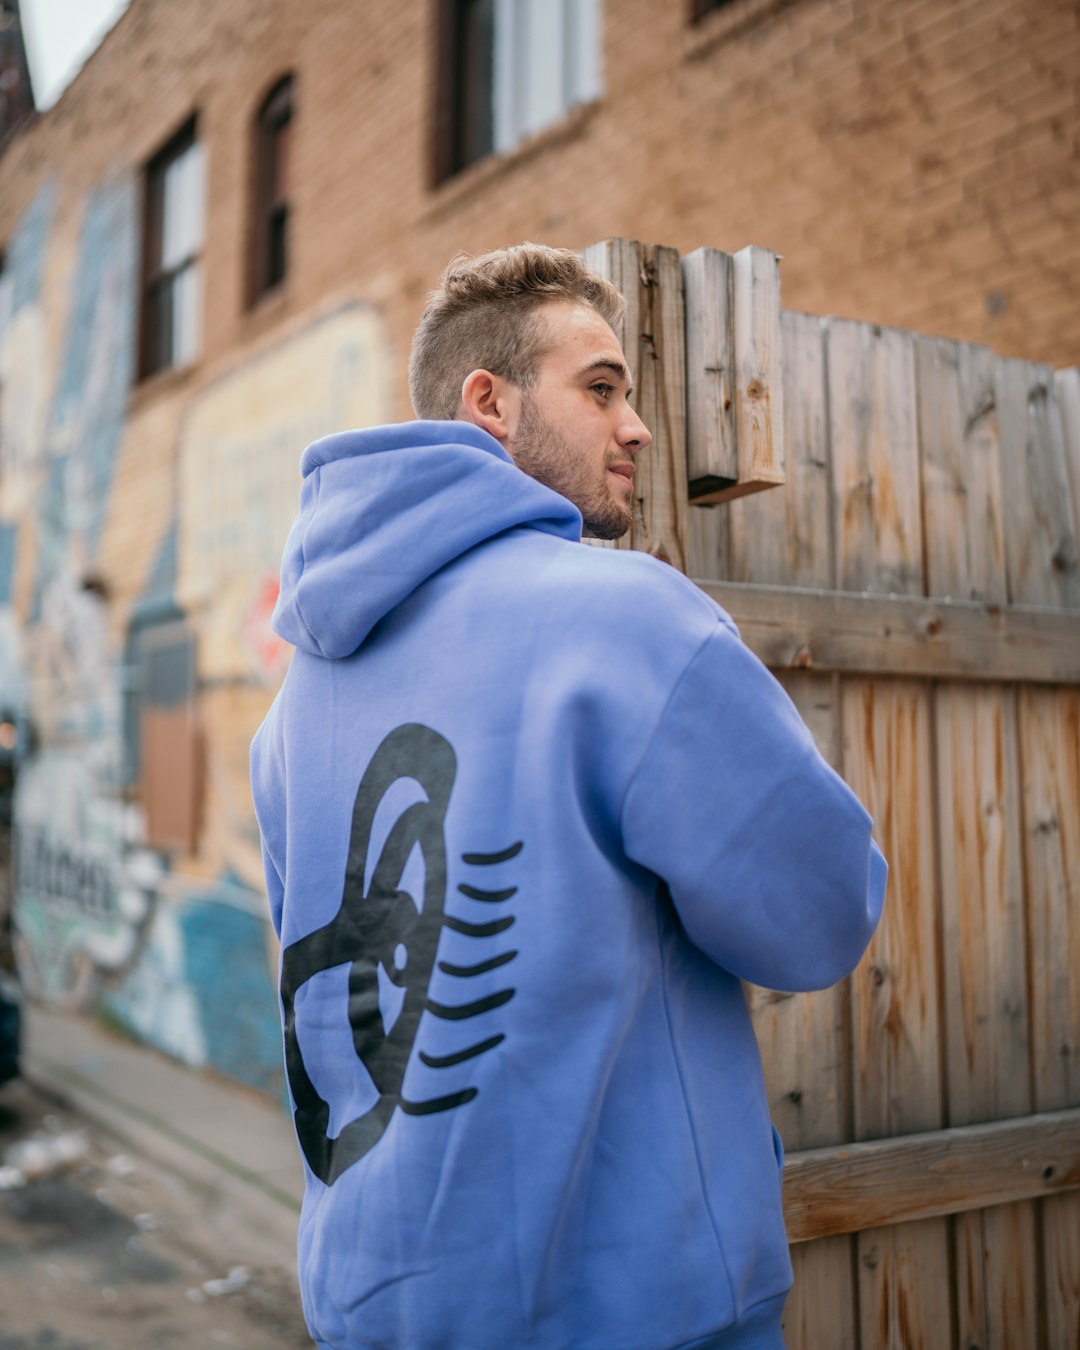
x: 234, y: 1146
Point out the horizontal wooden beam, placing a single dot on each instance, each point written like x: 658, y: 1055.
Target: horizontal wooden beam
x: 872, y: 1185
x: 794, y: 629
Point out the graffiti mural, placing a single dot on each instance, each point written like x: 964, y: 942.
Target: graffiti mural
x: 240, y: 448
x: 23, y: 364
x: 23, y: 409
x: 200, y: 987
x: 167, y: 933
x: 73, y: 677
x: 84, y: 887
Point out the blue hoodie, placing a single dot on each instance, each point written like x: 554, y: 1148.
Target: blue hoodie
x: 530, y: 813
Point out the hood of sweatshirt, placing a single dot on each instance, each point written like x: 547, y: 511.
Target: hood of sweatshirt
x: 384, y: 509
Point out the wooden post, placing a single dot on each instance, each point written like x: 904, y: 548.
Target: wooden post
x: 759, y: 399
x: 735, y: 419
x: 649, y: 276
x: 711, y: 448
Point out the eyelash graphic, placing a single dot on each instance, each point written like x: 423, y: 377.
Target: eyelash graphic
x: 459, y: 1012
x: 389, y: 936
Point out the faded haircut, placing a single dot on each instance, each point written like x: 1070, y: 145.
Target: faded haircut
x: 484, y: 315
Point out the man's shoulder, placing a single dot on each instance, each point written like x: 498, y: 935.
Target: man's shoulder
x: 618, y: 586
x: 638, y: 573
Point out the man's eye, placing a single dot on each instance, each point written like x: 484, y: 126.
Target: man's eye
x: 604, y: 390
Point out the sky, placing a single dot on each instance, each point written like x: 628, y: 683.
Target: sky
x: 60, y: 35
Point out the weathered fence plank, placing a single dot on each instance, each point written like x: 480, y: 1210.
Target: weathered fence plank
x: 1050, y: 751
x: 820, y: 1310
x: 897, y: 1081
x: 1040, y: 528
x: 794, y: 629
x: 936, y: 1172
x: 983, y: 939
x: 759, y: 392
x: 875, y: 458
x: 1060, y: 1292
x: 734, y: 373
x: 997, y: 1309
x: 1041, y: 523
x: 984, y: 951
x: 896, y: 1086
x: 653, y: 338
x: 711, y: 448
x: 903, y: 1300
x: 1067, y: 384
x: 984, y: 947
x: 961, y: 475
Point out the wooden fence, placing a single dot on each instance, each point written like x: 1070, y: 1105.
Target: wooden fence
x: 915, y: 585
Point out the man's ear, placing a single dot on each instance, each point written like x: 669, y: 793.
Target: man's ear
x: 489, y: 402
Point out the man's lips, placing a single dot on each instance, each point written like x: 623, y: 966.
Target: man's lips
x: 623, y: 471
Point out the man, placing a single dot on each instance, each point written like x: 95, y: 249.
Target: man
x: 530, y: 813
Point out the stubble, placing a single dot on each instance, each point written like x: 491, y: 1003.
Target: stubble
x: 544, y: 454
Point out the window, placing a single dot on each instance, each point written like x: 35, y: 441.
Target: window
x: 273, y: 139
x: 510, y: 68
x: 163, y: 742
x: 172, y: 241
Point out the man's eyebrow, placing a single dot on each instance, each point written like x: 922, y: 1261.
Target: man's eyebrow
x: 607, y: 363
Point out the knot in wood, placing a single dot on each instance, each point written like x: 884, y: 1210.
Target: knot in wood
x: 755, y: 389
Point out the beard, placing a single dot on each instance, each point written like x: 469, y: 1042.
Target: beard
x: 546, y: 455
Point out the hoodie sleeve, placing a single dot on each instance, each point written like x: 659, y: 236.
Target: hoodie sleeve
x: 765, y: 849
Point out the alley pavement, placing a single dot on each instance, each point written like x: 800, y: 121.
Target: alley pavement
x: 231, y: 1145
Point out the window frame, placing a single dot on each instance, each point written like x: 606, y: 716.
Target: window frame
x: 157, y: 278
x: 277, y: 111
x: 455, y: 54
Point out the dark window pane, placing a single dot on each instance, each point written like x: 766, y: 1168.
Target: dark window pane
x: 282, y: 142
x: 160, y: 325
x: 475, y: 70
x: 275, y: 269
x: 273, y: 145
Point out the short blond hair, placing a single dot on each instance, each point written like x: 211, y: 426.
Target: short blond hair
x: 484, y: 316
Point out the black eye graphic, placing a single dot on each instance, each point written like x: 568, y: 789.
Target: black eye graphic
x: 388, y: 930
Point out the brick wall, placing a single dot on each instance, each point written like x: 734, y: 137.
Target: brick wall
x: 915, y: 161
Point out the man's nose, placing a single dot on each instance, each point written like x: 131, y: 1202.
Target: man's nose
x: 633, y: 433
